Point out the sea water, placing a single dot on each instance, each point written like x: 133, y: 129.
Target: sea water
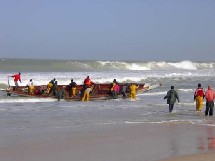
x: 28, y: 117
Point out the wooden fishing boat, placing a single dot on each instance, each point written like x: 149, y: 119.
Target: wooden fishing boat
x: 101, y: 91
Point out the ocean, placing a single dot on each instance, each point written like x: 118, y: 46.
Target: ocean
x: 25, y: 119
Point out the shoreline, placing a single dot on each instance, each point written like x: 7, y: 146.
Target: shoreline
x: 136, y: 142
x: 209, y: 156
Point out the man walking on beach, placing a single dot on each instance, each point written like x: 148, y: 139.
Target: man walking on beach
x: 210, y: 96
x: 171, y: 97
x: 199, y: 97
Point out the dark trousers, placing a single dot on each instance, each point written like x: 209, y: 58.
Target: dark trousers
x: 16, y: 84
x: 70, y: 91
x: 209, y: 108
x: 171, y: 107
x: 114, y: 94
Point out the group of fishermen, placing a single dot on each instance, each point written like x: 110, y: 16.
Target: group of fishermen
x: 88, y: 88
x: 199, y: 96
x: 209, y: 95
x: 128, y: 90
x: 171, y: 96
x: 52, y: 88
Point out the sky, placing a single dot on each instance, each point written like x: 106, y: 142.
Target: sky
x: 145, y: 30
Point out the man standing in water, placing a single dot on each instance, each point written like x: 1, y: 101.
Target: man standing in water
x: 86, y: 95
x: 72, y: 89
x: 133, y: 90
x: 30, y: 86
x: 171, y: 97
x: 199, y: 97
x: 210, y: 96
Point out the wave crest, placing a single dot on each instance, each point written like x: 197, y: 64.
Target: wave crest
x: 83, y: 65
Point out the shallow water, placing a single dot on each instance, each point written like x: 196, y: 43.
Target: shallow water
x: 33, y: 115
x: 25, y: 120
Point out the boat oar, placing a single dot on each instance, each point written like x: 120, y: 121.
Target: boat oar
x: 8, y: 82
x: 94, y: 89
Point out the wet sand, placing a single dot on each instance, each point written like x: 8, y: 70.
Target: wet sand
x: 194, y: 157
x: 128, y: 142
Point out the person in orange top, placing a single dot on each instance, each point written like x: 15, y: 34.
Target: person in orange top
x: 210, y: 96
x: 17, y: 77
x: 87, y: 81
x: 198, y: 97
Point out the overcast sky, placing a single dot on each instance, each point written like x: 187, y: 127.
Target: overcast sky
x: 145, y: 30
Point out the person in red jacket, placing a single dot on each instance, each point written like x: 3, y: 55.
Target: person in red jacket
x: 17, y: 77
x: 199, y: 97
x: 210, y: 96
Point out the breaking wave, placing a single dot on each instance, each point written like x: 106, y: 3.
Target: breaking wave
x: 80, y: 65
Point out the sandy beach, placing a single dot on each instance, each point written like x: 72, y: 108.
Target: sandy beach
x: 135, y: 142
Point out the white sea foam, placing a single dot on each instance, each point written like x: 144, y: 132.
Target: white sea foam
x: 135, y: 122
x: 209, y: 125
x: 186, y: 90
x: 158, y: 122
x: 184, y: 65
x: 134, y: 66
x: 27, y: 100
x: 153, y: 93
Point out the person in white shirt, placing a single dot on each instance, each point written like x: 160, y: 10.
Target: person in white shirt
x: 30, y: 86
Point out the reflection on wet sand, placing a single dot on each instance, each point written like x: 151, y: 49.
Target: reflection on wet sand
x: 207, y: 142
x: 211, y: 138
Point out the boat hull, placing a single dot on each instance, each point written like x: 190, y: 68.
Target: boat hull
x: 99, y: 91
